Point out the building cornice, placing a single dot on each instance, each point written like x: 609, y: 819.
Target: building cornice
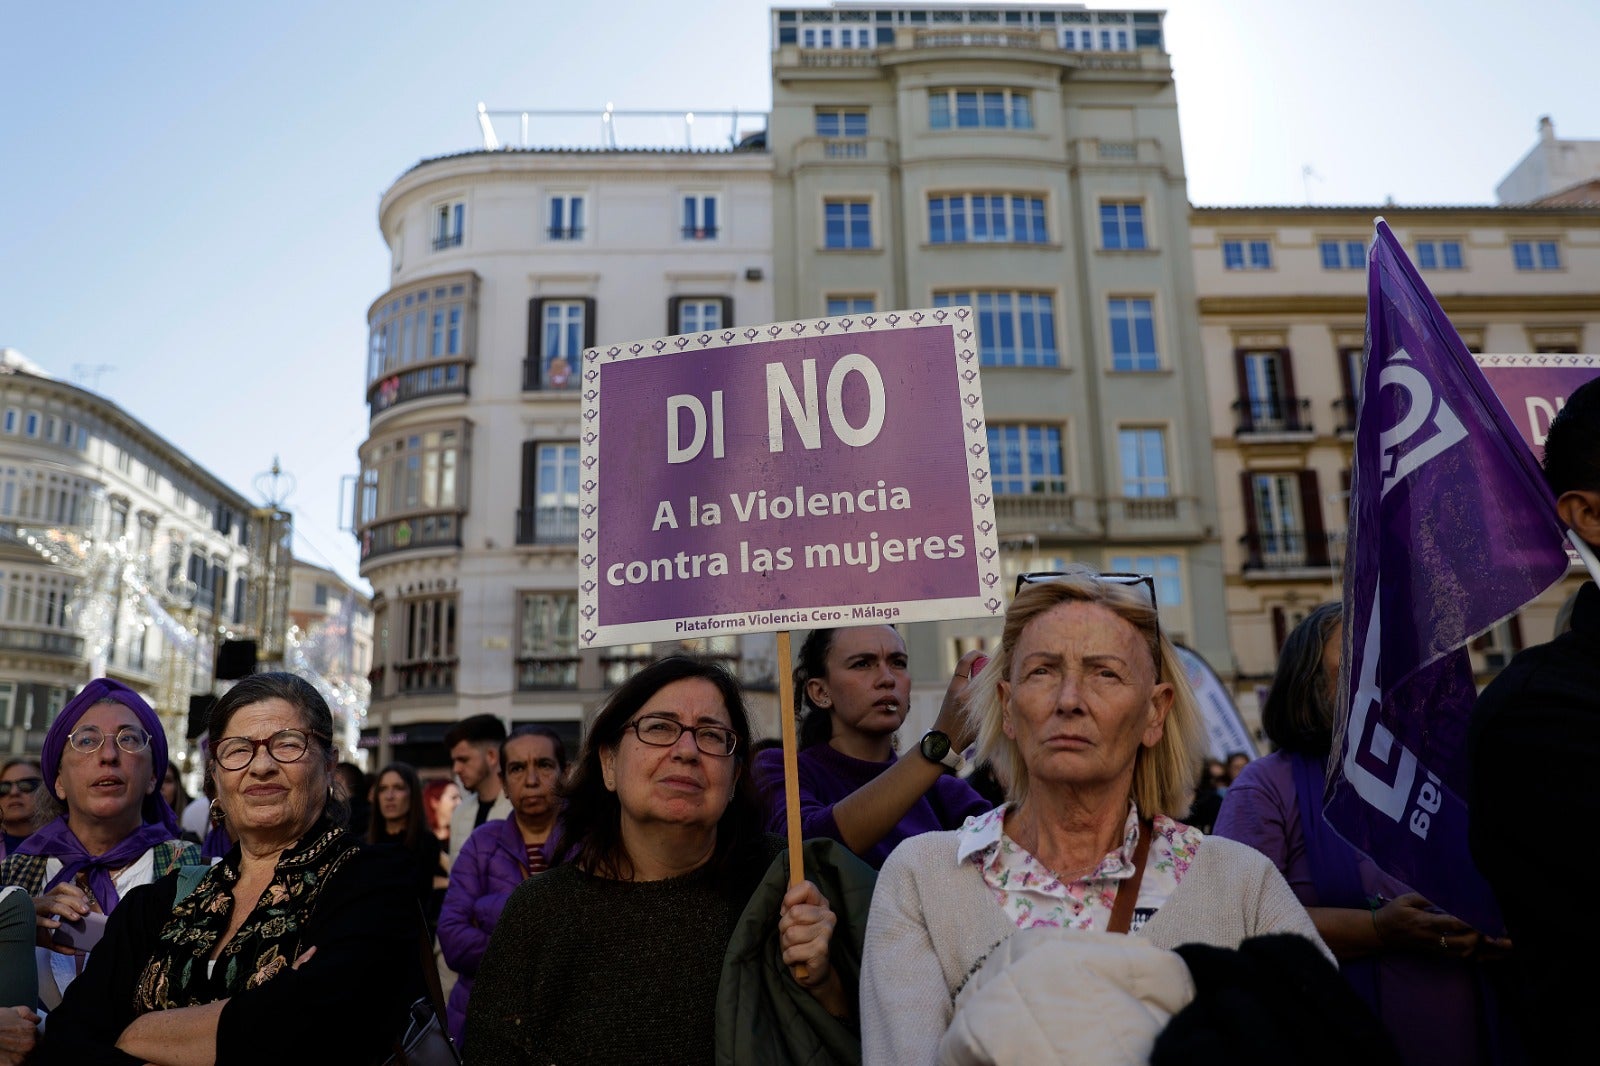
x: 1469, y: 303
x: 1465, y: 214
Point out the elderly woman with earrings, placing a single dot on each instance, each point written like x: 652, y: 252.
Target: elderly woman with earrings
x: 102, y: 764
x: 615, y: 954
x: 299, y: 943
x: 1087, y: 716
x: 854, y: 687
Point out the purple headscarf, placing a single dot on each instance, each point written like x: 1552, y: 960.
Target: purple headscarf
x: 58, y: 840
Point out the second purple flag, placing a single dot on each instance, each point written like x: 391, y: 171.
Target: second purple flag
x: 1452, y: 529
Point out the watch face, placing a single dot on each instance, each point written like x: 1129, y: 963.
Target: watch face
x: 935, y: 746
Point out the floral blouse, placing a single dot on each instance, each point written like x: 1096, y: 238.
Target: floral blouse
x: 178, y: 974
x: 1033, y: 896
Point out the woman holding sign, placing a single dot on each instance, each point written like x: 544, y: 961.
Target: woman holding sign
x: 616, y: 954
x: 854, y: 687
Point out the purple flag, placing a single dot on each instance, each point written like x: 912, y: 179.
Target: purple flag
x: 1452, y: 529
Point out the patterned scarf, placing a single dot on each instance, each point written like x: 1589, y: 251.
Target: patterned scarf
x: 266, y: 944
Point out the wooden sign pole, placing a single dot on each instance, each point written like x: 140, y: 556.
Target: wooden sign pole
x: 791, y: 748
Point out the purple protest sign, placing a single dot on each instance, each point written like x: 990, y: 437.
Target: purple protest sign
x: 823, y: 472
x: 1534, y: 386
x: 1451, y: 530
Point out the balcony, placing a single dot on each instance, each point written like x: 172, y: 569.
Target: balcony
x: 1285, y: 417
x: 539, y: 672
x: 405, y: 534
x: 564, y: 233
x: 547, y: 525
x: 1135, y: 518
x: 1048, y: 513
x: 446, y: 240
x: 1031, y: 39
x: 1289, y: 554
x: 425, y: 677
x: 42, y: 641
x: 1344, y: 416
x: 442, y: 380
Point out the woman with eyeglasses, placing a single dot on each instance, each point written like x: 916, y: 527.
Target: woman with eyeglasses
x: 500, y: 855
x: 1087, y: 717
x: 299, y: 942
x: 853, y: 686
x: 615, y: 955
x: 109, y: 829
x: 19, y: 802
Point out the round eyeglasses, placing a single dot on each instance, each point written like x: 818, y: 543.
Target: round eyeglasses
x: 86, y: 740
x: 285, y: 746
x: 659, y: 731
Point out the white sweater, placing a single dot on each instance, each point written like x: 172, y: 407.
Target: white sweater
x: 933, y: 922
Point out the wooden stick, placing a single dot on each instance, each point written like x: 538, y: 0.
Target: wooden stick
x: 791, y: 768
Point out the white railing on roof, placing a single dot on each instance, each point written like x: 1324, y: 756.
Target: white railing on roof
x: 609, y: 128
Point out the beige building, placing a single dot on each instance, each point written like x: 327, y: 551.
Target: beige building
x: 329, y: 642
x: 1555, y: 172
x: 1024, y: 160
x: 1282, y: 301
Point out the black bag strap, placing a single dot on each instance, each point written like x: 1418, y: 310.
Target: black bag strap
x: 430, y: 968
x: 1128, y: 891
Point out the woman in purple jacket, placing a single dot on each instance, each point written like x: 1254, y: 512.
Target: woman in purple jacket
x: 854, y: 687
x: 499, y: 855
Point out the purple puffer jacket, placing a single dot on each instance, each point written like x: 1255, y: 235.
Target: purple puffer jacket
x: 492, y: 862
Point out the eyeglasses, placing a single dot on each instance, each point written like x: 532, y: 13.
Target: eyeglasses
x: 26, y: 786
x: 285, y: 746
x: 659, y: 731
x: 1042, y: 576
x: 86, y: 740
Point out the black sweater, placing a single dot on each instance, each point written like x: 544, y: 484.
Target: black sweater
x: 586, y: 969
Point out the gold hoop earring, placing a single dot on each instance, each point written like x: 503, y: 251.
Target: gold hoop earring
x: 216, y: 813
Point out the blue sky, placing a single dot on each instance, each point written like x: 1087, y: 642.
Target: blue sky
x: 193, y: 188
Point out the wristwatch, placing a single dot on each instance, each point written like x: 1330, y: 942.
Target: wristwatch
x: 935, y: 747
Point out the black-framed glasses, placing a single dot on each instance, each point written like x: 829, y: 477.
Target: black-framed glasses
x: 285, y: 746
x: 1135, y: 580
x: 26, y: 786
x: 87, y: 739
x: 659, y: 731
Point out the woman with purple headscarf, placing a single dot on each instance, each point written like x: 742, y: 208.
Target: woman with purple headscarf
x: 103, y: 761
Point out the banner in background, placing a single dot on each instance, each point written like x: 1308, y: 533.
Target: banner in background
x: 1226, y: 732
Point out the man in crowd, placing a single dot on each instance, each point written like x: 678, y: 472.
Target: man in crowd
x: 474, y: 745
x: 1534, y: 743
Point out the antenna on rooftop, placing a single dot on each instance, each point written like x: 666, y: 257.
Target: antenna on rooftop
x: 1306, y: 174
x: 84, y: 372
x: 490, y: 141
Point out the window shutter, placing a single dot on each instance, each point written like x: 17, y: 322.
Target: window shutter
x: 1311, y: 511
x: 727, y: 312
x: 530, y: 471
x: 1280, y: 628
x: 1252, y: 531
x: 1246, y: 420
x: 674, y: 304
x: 530, y: 366
x: 588, y: 326
x: 1291, y: 403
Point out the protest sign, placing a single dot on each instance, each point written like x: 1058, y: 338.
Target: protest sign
x: 1452, y: 529
x: 1226, y: 732
x: 1534, y: 386
x: 832, y: 471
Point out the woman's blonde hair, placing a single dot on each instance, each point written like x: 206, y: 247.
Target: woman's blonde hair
x: 1164, y: 775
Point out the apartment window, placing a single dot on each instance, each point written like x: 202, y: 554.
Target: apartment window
x: 981, y: 217
x: 566, y: 217
x: 1167, y: 570
x: 549, y: 513
x: 429, y: 659
x: 1014, y: 328
x: 836, y: 37
x: 412, y: 490
x: 1343, y: 255
x: 1283, y: 517
x: 1536, y: 255
x: 699, y: 217
x: 968, y: 109
x: 12, y: 416
x: 1439, y: 255
x: 698, y: 314
x: 1247, y: 255
x: 547, y: 644
x: 30, y: 424
x: 1143, y: 451
x: 849, y: 305
x: 846, y: 224
x: 449, y: 222
x: 1267, y: 401
x: 1121, y: 225
x: 1133, y: 334
x: 841, y: 122
x: 559, y: 329
x: 1026, y: 460
x: 319, y: 595
x: 418, y: 342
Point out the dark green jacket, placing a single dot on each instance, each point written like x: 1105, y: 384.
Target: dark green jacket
x: 763, y: 1017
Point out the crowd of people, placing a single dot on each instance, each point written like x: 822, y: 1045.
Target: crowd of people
x: 1053, y: 872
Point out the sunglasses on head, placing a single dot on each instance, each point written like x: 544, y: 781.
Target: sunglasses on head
x: 1145, y: 581
x: 26, y: 786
